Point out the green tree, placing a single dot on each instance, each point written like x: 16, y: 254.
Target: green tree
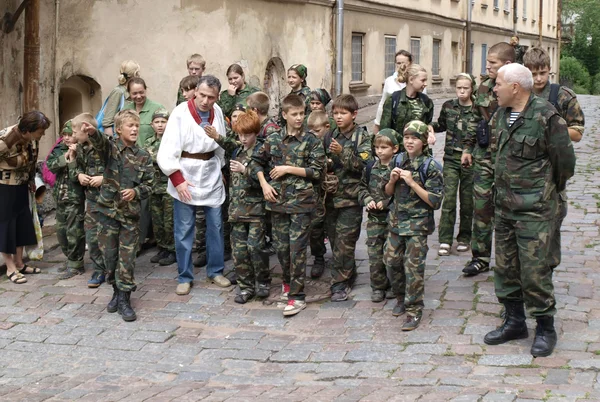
x: 585, y: 44
x: 574, y: 74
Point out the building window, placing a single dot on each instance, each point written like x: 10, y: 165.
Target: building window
x: 524, y: 9
x: 357, y: 57
x: 496, y: 4
x: 437, y: 46
x: 415, y: 49
x: 483, y: 58
x: 390, y: 55
x: 506, y: 5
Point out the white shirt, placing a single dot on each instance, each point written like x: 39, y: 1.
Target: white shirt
x: 183, y: 133
x: 390, y: 86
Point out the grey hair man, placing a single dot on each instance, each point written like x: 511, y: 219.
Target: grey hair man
x: 535, y: 158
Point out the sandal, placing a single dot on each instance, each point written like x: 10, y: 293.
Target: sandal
x: 34, y: 270
x: 444, y: 249
x: 17, y: 277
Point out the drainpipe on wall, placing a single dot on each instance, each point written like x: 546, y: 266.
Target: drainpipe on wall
x: 55, y: 80
x: 469, y: 61
x: 339, y: 73
x: 541, y: 25
x: 559, y: 33
x: 515, y: 16
x: 31, y: 73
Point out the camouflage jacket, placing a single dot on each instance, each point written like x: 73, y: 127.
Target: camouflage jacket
x: 419, y: 108
x: 519, y: 53
x: 295, y: 194
x: 568, y: 107
x: 268, y: 127
x: 127, y: 167
x: 18, y: 157
x: 458, y: 122
x: 535, y: 158
x: 229, y: 142
x: 67, y: 189
x: 90, y: 162
x: 374, y: 190
x: 409, y: 214
x: 304, y: 93
x: 484, y: 107
x: 180, y: 97
x: 350, y: 164
x: 247, y: 203
x: 160, y: 180
x: 228, y: 102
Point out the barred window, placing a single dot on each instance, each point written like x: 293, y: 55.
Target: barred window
x: 437, y: 46
x: 357, y: 57
x: 483, y: 58
x: 390, y: 55
x: 415, y: 49
x: 496, y: 4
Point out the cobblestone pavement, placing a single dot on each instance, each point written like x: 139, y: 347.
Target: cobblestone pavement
x: 57, y: 342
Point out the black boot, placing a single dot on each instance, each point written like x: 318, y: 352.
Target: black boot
x: 545, y: 337
x: 318, y: 267
x: 111, y: 307
x: 124, y: 307
x: 513, y: 327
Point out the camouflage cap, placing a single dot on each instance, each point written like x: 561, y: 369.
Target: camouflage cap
x: 164, y: 113
x: 67, y: 128
x: 418, y: 129
x: 391, y: 134
x: 322, y: 96
x: 301, y: 70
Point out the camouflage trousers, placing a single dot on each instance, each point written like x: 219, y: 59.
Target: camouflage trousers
x: 522, y: 272
x: 456, y: 178
x: 200, y: 231
x: 377, y: 231
x: 161, y: 208
x: 343, y: 229
x: 118, y: 243
x: 70, y: 233
x: 290, y: 234
x: 250, y: 258
x: 317, y: 231
x: 406, y: 256
x: 483, y: 209
x: 555, y: 256
x: 91, y: 225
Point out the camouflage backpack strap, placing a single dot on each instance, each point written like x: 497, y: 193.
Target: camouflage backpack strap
x: 357, y: 138
x: 395, y: 102
x: 368, y: 169
x: 327, y: 140
x: 554, y: 88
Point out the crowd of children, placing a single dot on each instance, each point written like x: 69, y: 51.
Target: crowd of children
x: 301, y: 179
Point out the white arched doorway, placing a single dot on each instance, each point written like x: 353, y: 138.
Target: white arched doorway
x: 78, y: 94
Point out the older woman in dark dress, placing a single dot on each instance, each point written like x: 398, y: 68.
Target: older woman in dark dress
x: 18, y: 157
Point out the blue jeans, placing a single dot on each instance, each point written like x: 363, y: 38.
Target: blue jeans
x: 184, y: 225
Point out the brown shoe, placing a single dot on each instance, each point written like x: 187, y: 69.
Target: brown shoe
x: 184, y: 288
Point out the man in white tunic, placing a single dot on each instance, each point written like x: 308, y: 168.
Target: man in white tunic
x: 193, y: 162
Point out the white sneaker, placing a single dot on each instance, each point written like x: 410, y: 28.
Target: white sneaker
x: 462, y: 247
x: 294, y: 307
x: 444, y: 249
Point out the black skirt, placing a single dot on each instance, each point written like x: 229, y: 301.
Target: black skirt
x: 16, y: 221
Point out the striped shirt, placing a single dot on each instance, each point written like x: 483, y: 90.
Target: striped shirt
x: 513, y: 117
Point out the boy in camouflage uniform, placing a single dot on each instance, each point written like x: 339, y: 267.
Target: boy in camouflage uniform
x: 457, y: 119
x: 195, y: 66
x: 318, y: 124
x: 70, y: 202
x: 294, y: 160
x: 411, y: 221
x: 348, y: 149
x: 127, y: 179
x: 479, y: 151
x: 565, y: 101
x: 247, y: 214
x: 90, y: 173
x: 534, y: 161
x: 371, y: 194
x: 161, y: 203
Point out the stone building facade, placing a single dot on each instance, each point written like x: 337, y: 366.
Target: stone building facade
x: 84, y: 42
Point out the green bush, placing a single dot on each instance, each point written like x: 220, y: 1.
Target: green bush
x: 595, y: 89
x: 574, y: 71
x: 580, y: 90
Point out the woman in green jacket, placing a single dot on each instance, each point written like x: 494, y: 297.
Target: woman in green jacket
x: 237, y: 92
x: 144, y: 106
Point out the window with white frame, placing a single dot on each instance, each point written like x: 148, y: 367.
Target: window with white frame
x: 437, y: 48
x: 496, y: 4
x: 415, y: 49
x: 524, y: 9
x: 390, y: 55
x: 357, y: 57
x: 506, y: 5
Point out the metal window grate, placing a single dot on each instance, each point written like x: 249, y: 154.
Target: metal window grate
x: 390, y: 55
x: 437, y: 46
x: 415, y: 49
x: 483, y: 58
x: 357, y: 57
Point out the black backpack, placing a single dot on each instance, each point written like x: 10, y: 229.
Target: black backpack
x: 554, y: 88
x: 399, y: 160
